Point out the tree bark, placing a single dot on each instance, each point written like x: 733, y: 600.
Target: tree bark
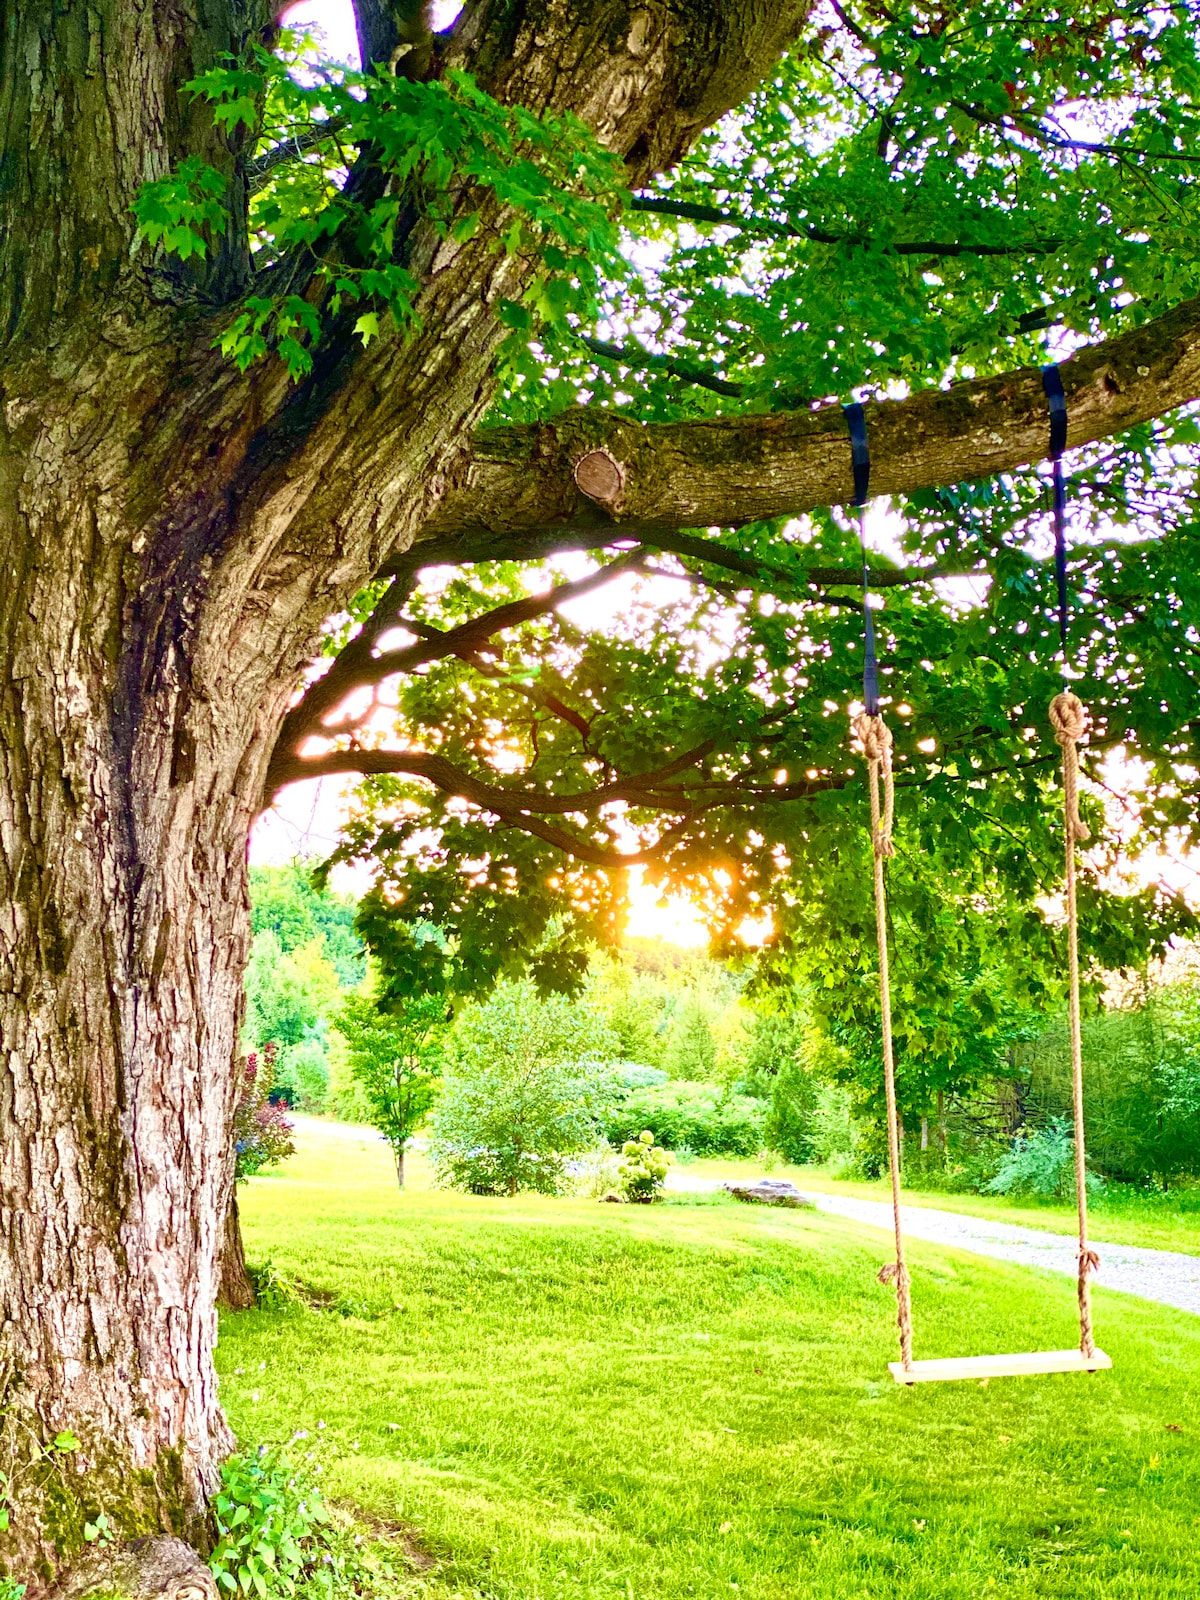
x: 519, y: 483
x: 235, y: 1291
x: 173, y: 535
x: 398, y: 1152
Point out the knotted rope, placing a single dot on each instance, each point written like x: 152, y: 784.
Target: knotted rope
x: 876, y: 739
x: 1069, y: 720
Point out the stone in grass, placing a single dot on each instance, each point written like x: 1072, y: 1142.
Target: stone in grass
x: 612, y: 1198
x: 770, y: 1192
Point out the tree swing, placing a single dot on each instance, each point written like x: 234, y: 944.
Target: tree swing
x: 1067, y: 718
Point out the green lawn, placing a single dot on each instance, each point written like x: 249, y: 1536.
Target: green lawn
x: 567, y: 1399
x: 1120, y: 1216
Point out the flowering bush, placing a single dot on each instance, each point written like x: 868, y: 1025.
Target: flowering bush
x: 262, y: 1133
x: 643, y: 1172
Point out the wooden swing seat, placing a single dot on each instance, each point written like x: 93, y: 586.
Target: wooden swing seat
x: 1024, y: 1365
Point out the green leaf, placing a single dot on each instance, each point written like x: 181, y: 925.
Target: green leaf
x: 367, y: 326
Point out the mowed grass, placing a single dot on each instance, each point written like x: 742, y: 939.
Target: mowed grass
x: 568, y: 1399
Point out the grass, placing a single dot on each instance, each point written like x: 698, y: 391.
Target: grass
x: 573, y: 1401
x: 1119, y: 1215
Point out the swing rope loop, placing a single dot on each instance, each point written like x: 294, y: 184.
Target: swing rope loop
x: 1069, y: 721
x: 876, y: 739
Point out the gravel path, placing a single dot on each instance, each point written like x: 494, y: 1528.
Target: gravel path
x: 1162, y: 1275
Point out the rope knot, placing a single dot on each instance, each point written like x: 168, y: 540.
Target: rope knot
x: 1089, y: 1259
x: 1068, y: 718
x: 892, y: 1272
x: 875, y: 737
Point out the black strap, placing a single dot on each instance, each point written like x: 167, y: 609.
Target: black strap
x: 860, y: 460
x: 860, y: 454
x: 1053, y: 385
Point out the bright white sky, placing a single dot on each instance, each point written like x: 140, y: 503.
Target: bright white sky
x: 306, y: 818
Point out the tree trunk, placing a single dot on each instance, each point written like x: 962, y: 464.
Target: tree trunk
x: 173, y: 535
x: 235, y: 1292
x: 398, y: 1152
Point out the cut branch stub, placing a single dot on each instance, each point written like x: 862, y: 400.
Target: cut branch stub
x: 601, y: 477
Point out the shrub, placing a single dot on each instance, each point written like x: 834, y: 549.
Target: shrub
x: 643, y: 1171
x: 1041, y: 1163
x: 597, y: 1171
x: 262, y: 1134
x: 1141, y: 1069
x: 711, y: 1121
x: 632, y: 1075
x: 528, y: 1089
x: 267, y: 1526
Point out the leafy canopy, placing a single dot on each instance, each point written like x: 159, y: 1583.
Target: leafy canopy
x: 920, y: 193
x: 369, y: 149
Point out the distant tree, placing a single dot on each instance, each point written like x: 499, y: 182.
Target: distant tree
x: 280, y: 1006
x: 396, y: 1056
x: 790, y: 1129
x: 528, y: 1089
x: 773, y: 1044
x: 633, y: 1004
x: 288, y: 902
x: 691, y: 1051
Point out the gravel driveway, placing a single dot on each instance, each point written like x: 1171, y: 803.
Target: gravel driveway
x: 1162, y: 1275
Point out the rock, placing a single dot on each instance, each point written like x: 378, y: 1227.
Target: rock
x: 158, y: 1568
x: 770, y: 1192
x: 612, y: 1198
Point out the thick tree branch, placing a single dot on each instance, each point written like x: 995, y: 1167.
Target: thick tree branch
x: 361, y: 665
x: 663, y: 205
x: 731, y: 471
x: 653, y: 361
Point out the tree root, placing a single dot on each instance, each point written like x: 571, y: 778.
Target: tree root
x: 158, y: 1568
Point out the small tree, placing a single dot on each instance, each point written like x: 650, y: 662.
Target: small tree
x: 396, y: 1056
x: 262, y: 1137
x: 528, y: 1091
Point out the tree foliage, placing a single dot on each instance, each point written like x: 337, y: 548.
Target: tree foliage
x: 528, y: 1086
x: 915, y: 197
x: 396, y: 1056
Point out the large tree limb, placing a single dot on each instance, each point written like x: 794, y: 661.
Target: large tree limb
x: 732, y: 471
x: 361, y: 664
x: 693, y: 211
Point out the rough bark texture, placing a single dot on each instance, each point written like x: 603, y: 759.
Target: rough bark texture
x: 172, y: 536
x: 235, y: 1292
x: 521, y: 482
x: 162, y: 1568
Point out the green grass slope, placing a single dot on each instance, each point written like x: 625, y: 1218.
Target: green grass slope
x: 572, y: 1401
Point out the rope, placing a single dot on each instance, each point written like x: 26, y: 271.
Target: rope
x: 876, y: 739
x: 1068, y: 719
